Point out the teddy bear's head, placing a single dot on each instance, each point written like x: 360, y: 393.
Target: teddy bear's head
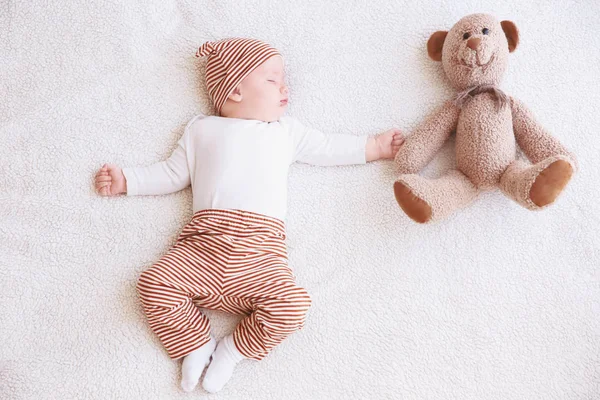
x: 475, y: 51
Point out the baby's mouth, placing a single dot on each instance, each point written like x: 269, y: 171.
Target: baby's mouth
x: 283, y: 102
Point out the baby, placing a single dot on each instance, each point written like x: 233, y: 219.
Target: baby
x: 232, y: 255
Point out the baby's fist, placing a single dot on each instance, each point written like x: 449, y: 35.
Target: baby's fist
x: 110, y: 180
x: 389, y: 143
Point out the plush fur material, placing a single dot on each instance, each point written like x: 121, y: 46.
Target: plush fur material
x: 474, y: 54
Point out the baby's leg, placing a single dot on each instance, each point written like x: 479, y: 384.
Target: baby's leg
x: 536, y: 186
x: 425, y: 200
x: 279, y: 311
x: 278, y: 308
x: 168, y: 291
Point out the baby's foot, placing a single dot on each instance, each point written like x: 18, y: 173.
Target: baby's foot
x: 194, y: 363
x: 224, y: 360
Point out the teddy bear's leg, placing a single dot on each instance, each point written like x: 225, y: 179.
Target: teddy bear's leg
x: 425, y: 200
x: 536, y: 186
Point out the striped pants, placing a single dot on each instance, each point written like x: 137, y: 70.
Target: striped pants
x: 227, y: 260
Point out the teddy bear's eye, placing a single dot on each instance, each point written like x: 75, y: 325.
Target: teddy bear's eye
x: 485, y: 31
x: 466, y: 35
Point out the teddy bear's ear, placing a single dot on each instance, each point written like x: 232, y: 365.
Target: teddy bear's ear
x: 512, y: 34
x: 435, y: 45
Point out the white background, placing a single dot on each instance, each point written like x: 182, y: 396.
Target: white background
x: 496, y: 302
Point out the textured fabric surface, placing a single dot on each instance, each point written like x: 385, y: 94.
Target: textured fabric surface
x: 494, y: 302
x: 475, y: 56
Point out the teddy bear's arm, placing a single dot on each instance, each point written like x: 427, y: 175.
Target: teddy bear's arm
x: 535, y: 141
x: 426, y: 140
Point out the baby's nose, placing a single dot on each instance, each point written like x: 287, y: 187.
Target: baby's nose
x: 284, y: 89
x: 473, y: 43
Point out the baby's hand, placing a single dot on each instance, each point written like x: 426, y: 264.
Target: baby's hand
x: 389, y: 143
x: 110, y: 181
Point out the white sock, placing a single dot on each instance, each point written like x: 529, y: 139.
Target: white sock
x: 194, y: 363
x: 224, y: 360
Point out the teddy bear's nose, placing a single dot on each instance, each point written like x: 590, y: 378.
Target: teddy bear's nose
x: 473, y: 43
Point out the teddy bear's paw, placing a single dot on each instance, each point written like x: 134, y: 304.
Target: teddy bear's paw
x: 550, y: 182
x: 416, y: 208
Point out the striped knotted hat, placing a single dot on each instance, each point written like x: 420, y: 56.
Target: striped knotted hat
x: 229, y: 62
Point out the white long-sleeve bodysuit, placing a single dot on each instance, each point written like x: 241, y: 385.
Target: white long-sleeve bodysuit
x: 242, y: 164
x: 232, y: 255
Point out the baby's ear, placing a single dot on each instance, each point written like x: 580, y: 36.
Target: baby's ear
x: 236, y: 95
x: 435, y: 44
x: 512, y: 34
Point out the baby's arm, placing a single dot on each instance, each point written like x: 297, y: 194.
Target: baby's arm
x: 164, y: 177
x: 313, y: 147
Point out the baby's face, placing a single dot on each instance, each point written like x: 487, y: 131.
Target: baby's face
x: 264, y: 92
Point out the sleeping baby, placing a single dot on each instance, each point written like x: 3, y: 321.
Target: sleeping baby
x: 232, y: 255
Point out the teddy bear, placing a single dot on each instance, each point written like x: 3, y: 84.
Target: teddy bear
x: 488, y: 125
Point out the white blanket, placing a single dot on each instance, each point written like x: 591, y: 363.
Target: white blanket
x: 496, y: 302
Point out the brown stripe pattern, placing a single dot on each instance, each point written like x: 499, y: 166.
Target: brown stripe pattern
x: 227, y: 260
x: 229, y: 62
